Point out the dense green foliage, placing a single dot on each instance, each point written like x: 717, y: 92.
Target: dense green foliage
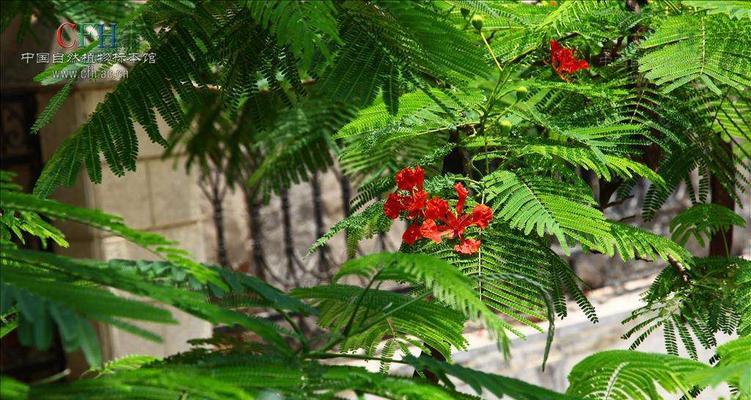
x: 277, y: 91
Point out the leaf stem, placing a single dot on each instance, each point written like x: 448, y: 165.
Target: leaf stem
x: 354, y: 357
x: 490, y: 49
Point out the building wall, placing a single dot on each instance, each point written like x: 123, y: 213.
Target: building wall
x: 156, y: 197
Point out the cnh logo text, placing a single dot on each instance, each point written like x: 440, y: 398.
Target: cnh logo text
x: 80, y: 39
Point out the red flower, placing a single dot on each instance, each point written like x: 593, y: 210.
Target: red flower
x: 393, y: 206
x: 564, y: 61
x: 482, y: 215
x: 408, y: 179
x: 415, y: 204
x: 468, y: 246
x: 462, y: 193
x: 458, y: 221
x: 437, y: 208
x: 453, y: 224
x: 411, y: 235
x: 457, y: 225
x: 438, y: 221
x: 429, y: 230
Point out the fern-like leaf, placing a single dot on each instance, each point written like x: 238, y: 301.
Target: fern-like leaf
x: 703, y: 220
x: 14, y: 201
x: 444, y: 281
x: 411, y: 323
x: 481, y: 381
x: 52, y: 107
x: 603, y: 165
x: 628, y: 375
x: 361, y: 225
x: 298, y: 145
x: 692, y: 48
x: 734, y: 8
x: 307, y: 27
x: 734, y: 368
x: 544, y: 205
x: 743, y: 284
x: 632, y: 242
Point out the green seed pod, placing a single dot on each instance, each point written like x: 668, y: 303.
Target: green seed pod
x: 522, y: 90
x: 477, y: 22
x: 506, y: 126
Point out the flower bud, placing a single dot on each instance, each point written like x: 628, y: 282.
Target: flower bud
x: 465, y: 12
x: 522, y: 90
x: 506, y: 126
x: 477, y: 22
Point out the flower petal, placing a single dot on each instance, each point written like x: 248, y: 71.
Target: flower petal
x: 468, y: 246
x: 482, y: 215
x: 419, y: 177
x: 462, y: 193
x: 563, y: 60
x: 430, y: 230
x: 409, y: 179
x: 415, y: 204
x: 437, y: 208
x: 392, y: 207
x: 411, y: 235
x: 555, y: 47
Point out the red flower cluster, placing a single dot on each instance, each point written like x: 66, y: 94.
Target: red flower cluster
x: 431, y: 218
x: 564, y: 61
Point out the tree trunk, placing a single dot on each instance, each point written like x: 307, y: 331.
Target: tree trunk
x: 346, y: 195
x: 218, y: 217
x: 454, y: 161
x: 721, y: 243
x: 635, y: 5
x: 323, y: 260
x: 289, y: 243
x: 255, y: 229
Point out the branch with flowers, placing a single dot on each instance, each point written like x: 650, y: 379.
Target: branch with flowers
x: 432, y: 218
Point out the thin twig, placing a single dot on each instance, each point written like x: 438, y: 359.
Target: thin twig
x: 679, y: 268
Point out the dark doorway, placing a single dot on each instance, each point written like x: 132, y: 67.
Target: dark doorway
x: 20, y: 153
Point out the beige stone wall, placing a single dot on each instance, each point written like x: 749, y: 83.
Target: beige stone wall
x: 156, y: 197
